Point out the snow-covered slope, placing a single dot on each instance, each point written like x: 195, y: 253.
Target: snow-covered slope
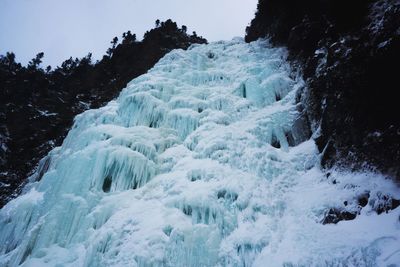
x: 200, y: 162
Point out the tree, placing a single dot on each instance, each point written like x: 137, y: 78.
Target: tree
x: 87, y: 60
x: 157, y: 23
x: 110, y: 50
x: 128, y: 37
x: 8, y: 61
x: 114, y: 41
x: 170, y: 25
x: 184, y: 29
x: 69, y: 65
x: 10, y: 57
x: 35, y: 62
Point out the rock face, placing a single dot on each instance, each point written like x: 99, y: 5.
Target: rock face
x: 348, y: 52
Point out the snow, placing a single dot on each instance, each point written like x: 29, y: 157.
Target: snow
x: 46, y: 113
x: 183, y: 169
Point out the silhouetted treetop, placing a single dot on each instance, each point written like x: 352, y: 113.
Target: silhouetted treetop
x: 184, y: 28
x: 36, y: 61
x: 128, y: 38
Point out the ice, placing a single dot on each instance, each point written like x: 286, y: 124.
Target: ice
x: 203, y: 161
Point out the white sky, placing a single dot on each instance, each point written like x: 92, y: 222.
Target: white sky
x: 64, y: 28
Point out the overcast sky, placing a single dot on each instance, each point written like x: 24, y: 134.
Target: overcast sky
x: 64, y: 28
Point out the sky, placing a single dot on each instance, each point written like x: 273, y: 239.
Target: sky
x: 64, y: 28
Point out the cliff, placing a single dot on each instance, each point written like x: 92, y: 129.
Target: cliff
x: 347, y: 53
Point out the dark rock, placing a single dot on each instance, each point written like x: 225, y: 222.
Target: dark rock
x: 384, y: 203
x: 301, y: 129
x: 363, y: 200
x: 335, y: 215
x: 290, y: 138
x: 379, y: 203
x: 275, y: 141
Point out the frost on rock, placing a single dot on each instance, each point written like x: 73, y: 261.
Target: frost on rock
x: 203, y: 161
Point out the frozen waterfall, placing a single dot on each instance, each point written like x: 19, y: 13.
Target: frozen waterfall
x: 199, y: 162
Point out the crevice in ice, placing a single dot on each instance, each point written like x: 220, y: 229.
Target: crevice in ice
x: 107, y: 184
x: 167, y: 230
x: 210, y: 55
x: 244, y: 93
x: 227, y: 195
x: 187, y: 210
x: 195, y: 175
x: 29, y: 245
x: 44, y: 166
x: 275, y: 141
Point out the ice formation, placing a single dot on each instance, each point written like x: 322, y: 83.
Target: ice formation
x: 199, y: 162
